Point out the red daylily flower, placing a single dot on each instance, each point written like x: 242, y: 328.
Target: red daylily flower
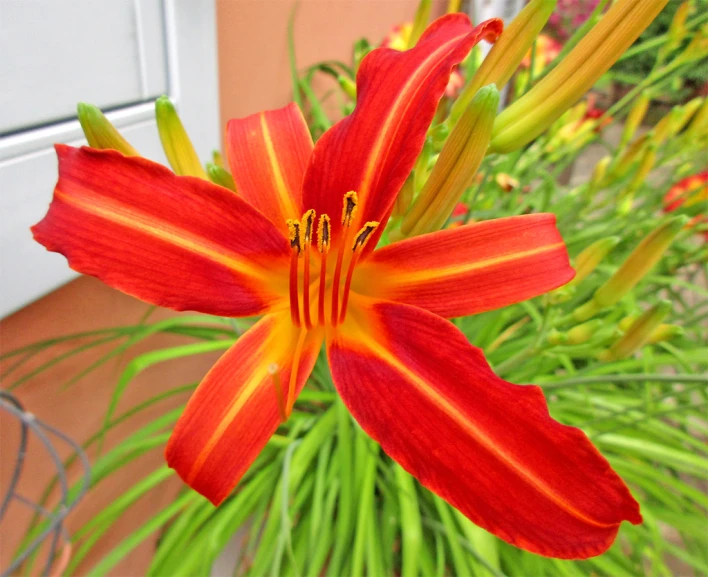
x: 686, y: 193
x: 408, y: 376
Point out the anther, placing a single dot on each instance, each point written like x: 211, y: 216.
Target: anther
x: 360, y: 240
x: 296, y: 245
x: 362, y: 237
x: 349, y: 207
x: 274, y: 372
x: 306, y: 228
x: 323, y: 240
x: 323, y: 234
x: 294, y: 234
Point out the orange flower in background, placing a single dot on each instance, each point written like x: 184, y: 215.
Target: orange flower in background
x: 547, y: 49
x: 687, y: 193
x: 296, y: 245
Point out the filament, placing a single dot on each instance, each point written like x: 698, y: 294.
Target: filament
x: 323, y: 284
x: 360, y: 240
x: 296, y: 246
x: 337, y: 277
x: 306, y: 290
x: 294, y: 305
x: 347, y: 286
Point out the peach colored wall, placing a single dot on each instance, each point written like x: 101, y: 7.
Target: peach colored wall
x: 254, y: 70
x: 254, y: 75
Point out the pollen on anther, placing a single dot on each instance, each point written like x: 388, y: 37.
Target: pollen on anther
x: 349, y: 206
x: 362, y: 237
x: 306, y: 226
x: 323, y: 233
x: 294, y: 234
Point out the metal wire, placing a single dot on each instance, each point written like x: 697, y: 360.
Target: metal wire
x: 54, y: 519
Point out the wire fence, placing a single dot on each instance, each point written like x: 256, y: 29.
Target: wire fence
x: 53, y: 530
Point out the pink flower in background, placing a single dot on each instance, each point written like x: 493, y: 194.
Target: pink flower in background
x: 570, y: 15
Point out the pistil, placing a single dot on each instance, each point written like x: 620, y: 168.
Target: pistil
x: 348, y: 212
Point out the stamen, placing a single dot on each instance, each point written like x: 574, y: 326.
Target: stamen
x: 306, y: 225
x: 295, y: 244
x: 293, y: 373
x: 323, y: 239
x: 273, y: 371
x: 349, y: 207
x: 362, y: 237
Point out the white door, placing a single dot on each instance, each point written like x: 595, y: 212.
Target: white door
x: 117, y: 54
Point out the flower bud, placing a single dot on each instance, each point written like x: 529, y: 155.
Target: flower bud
x: 645, y: 166
x: 507, y: 53
x: 584, y: 332
x: 99, y: 132
x: 420, y: 21
x: 456, y: 166
x: 638, y: 333
x: 534, y: 112
x: 453, y: 6
x: 697, y: 49
x: 698, y: 128
x: 588, y: 259
x: 635, y: 118
x: 421, y: 169
x: 665, y: 332
x: 217, y: 159
x: 178, y: 148
x: 662, y: 130
x: 221, y: 176
x: 404, y: 198
x: 347, y: 85
x: 631, y: 156
x: 597, y: 180
x: 686, y: 113
x: 638, y: 264
x: 677, y: 29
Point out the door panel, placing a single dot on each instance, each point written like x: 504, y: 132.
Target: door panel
x: 109, y: 53
x: 170, y: 47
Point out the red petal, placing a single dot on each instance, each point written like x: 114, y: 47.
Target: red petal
x: 373, y: 150
x: 486, y: 446
x: 177, y: 242
x: 268, y: 153
x: 234, y: 411
x: 470, y: 269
